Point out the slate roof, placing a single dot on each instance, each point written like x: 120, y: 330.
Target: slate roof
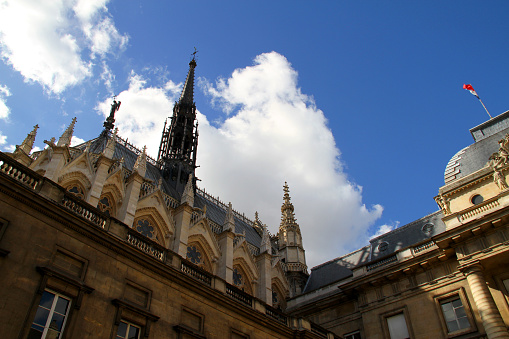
x: 216, y: 211
x: 342, y: 268
x: 476, y: 156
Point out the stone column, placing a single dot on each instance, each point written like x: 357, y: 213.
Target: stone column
x: 491, y: 318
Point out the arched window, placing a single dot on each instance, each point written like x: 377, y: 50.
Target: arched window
x: 105, y: 206
x: 194, y: 255
x: 76, y: 190
x: 144, y: 227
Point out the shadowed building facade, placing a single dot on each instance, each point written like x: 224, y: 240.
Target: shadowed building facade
x: 102, y: 241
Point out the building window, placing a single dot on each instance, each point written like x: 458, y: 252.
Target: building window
x: 397, y: 326
x: 144, y: 227
x: 76, y: 191
x: 353, y: 335
x: 383, y: 246
x: 455, y: 315
x: 237, y: 278
x: 50, y: 317
x: 194, y: 255
x: 127, y: 330
x: 105, y: 206
x: 477, y: 199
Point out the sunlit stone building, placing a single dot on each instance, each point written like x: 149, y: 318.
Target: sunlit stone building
x: 445, y: 275
x: 102, y: 241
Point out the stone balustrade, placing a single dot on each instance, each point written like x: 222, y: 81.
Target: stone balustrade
x: 19, y: 172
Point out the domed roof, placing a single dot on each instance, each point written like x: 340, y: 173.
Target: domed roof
x: 474, y: 157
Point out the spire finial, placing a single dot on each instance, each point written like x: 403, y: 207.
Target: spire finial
x: 65, y: 139
x: 141, y: 163
x: 28, y: 143
x: 229, y: 222
x: 188, y: 195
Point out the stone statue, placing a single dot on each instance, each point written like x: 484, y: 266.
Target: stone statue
x: 115, y: 106
x: 499, y: 179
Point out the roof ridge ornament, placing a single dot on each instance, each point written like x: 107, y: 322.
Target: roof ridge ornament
x: 115, y: 106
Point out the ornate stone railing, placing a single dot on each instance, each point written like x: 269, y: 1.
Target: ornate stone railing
x: 19, y: 172
x: 216, y: 228
x: 294, y: 267
x: 74, y: 153
x: 145, y: 244
x: 146, y: 188
x: 196, y: 272
x: 239, y: 295
x: 383, y: 262
x: 276, y: 314
x: 423, y: 247
x: 478, y: 209
x: 83, y: 209
x: 253, y: 249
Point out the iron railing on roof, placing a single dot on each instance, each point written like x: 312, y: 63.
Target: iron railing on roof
x: 135, y: 150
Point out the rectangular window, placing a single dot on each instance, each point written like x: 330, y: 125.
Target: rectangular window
x: 50, y: 317
x: 397, y: 326
x: 353, y: 335
x: 126, y: 330
x: 454, y: 314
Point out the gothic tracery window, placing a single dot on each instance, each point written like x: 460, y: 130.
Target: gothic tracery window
x: 144, y: 227
x: 105, y: 206
x: 76, y: 191
x: 237, y: 278
x: 194, y: 255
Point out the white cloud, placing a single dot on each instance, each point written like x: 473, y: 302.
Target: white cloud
x: 45, y: 40
x: 76, y: 141
x: 4, y: 110
x: 384, y: 229
x: 142, y: 112
x: 275, y: 133
x: 3, y: 139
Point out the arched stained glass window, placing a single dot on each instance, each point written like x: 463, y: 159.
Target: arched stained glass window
x: 144, y: 227
x: 193, y: 255
x: 77, y: 191
x: 105, y: 206
x: 237, y: 278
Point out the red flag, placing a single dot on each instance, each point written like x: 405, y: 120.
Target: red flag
x: 470, y: 89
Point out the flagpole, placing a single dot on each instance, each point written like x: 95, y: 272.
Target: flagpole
x: 485, y: 108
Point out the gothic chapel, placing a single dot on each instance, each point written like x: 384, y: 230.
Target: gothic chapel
x: 102, y: 241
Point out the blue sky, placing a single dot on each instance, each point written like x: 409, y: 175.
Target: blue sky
x: 358, y: 105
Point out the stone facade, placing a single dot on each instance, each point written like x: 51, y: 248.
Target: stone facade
x: 101, y: 241
x: 442, y: 276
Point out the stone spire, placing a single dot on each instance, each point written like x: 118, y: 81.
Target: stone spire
x: 179, y: 141
x: 287, y: 211
x: 265, y: 244
x: 27, y: 144
x: 65, y: 139
x: 229, y: 222
x: 188, y: 195
x: 140, y: 165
